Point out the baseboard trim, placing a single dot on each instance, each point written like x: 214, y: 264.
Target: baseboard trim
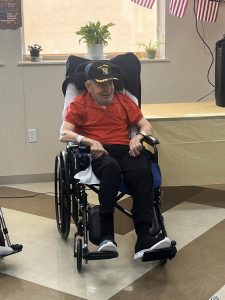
x: 30, y: 178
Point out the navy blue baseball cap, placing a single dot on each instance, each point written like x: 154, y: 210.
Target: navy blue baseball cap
x: 100, y: 71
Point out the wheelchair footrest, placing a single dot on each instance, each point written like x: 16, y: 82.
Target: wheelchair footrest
x: 100, y: 255
x: 16, y: 248
x: 160, y: 254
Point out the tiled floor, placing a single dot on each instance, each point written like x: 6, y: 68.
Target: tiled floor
x: 46, y: 269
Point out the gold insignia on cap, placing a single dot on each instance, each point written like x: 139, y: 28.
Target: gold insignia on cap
x: 104, y: 69
x: 105, y: 80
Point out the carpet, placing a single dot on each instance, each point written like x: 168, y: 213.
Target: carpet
x: 26, y: 201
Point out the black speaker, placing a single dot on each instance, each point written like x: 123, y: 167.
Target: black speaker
x: 220, y: 73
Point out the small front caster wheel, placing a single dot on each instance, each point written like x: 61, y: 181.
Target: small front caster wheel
x: 79, y: 255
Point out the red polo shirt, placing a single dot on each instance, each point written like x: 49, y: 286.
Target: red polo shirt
x: 109, y: 125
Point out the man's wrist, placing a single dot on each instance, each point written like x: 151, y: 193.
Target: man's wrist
x: 139, y: 136
x: 142, y: 133
x: 87, y: 141
x: 79, y: 138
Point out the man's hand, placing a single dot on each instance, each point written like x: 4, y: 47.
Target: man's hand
x: 97, y: 149
x: 135, y: 145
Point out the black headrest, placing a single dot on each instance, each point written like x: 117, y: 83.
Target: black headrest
x: 129, y: 68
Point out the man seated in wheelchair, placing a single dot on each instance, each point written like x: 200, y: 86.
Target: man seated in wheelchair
x: 100, y: 118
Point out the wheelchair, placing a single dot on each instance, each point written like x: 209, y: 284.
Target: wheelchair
x: 71, y: 199
x: 4, y: 238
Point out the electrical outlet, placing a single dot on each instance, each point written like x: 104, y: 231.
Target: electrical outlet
x: 32, y: 135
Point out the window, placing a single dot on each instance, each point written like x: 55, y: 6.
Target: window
x: 53, y: 23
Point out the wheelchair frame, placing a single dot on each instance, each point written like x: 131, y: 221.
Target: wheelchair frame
x: 4, y: 237
x: 71, y: 201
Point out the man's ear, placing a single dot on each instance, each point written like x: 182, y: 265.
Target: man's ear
x: 87, y: 85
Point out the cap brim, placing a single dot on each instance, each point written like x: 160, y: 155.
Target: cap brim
x: 105, y: 80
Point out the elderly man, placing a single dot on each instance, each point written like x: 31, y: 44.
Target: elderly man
x: 100, y: 118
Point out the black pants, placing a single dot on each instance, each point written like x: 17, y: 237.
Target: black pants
x: 137, y: 175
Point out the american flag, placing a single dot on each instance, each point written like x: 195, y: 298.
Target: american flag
x: 145, y: 3
x: 7, y: 17
x: 207, y: 10
x: 178, y: 7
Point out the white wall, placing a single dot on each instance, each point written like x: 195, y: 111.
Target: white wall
x: 183, y: 77
x: 30, y: 95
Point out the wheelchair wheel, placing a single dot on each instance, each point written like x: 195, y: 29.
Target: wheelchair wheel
x: 79, y: 255
x: 2, y: 240
x: 62, y: 197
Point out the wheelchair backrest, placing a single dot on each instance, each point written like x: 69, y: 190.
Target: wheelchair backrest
x: 127, y: 66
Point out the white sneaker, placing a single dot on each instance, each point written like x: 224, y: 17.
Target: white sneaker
x: 107, y: 245
x: 5, y: 251
x: 165, y: 243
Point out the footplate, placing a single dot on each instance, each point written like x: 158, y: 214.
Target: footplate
x: 16, y: 248
x: 161, y: 254
x: 100, y: 255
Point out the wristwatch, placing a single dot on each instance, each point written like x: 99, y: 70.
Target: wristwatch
x: 143, y: 133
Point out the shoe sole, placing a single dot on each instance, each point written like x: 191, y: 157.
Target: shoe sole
x: 165, y: 243
x: 109, y: 246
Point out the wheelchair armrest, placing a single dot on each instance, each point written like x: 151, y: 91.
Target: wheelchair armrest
x: 72, y: 144
x: 151, y: 140
x: 76, y: 145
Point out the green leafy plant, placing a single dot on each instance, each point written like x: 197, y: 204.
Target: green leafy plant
x: 95, y: 33
x: 150, y: 48
x: 35, y: 50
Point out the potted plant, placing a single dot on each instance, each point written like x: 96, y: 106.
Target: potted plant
x: 35, y: 52
x: 150, y: 48
x: 95, y: 36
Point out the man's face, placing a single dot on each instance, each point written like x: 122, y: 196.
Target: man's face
x: 102, y: 93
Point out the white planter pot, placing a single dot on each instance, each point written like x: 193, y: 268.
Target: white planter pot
x: 95, y: 52
x: 35, y: 58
